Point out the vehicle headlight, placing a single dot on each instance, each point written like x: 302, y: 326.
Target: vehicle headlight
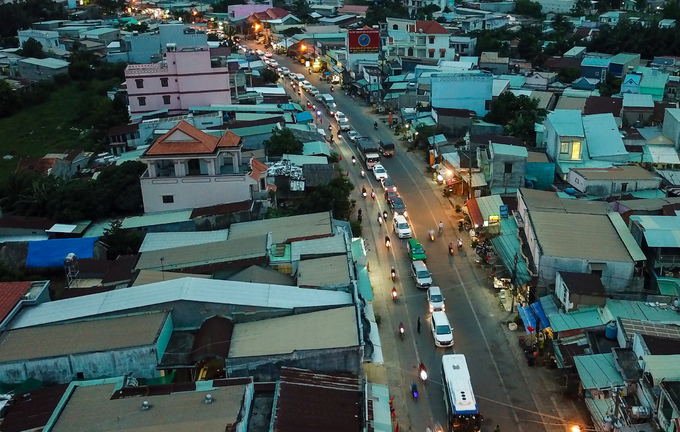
x: 405, y: 213
x: 443, y: 308
x: 431, y: 309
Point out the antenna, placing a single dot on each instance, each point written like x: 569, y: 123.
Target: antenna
x: 71, y: 268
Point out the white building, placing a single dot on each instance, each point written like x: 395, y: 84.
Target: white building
x: 463, y: 45
x: 188, y: 168
x: 462, y: 90
x: 556, y: 6
x: 419, y: 39
x: 48, y: 39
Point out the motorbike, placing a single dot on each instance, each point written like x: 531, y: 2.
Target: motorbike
x: 332, y: 88
x: 375, y: 125
x: 422, y: 371
x: 450, y: 248
x: 363, y: 191
x: 385, y: 215
x: 388, y: 243
x: 373, y: 193
x: 309, y: 105
x: 354, y: 160
x: 414, y: 390
x: 401, y: 330
x: 431, y: 235
x: 530, y: 351
x: 363, y: 173
x: 380, y: 219
x: 394, y: 294
x: 460, y: 243
x: 359, y: 218
x: 393, y: 273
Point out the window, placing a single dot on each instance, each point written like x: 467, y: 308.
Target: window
x: 487, y: 105
x: 395, y: 27
x: 164, y: 82
x: 564, y: 148
x: 431, y: 54
x: 624, y: 187
x: 508, y: 168
x: 139, y: 83
x: 166, y: 100
x: 442, y: 53
x: 576, y: 150
x: 168, y: 199
x: 80, y: 375
x: 142, y: 101
x: 410, y: 52
x: 431, y: 39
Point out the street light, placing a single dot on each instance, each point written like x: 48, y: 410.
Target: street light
x: 303, y: 47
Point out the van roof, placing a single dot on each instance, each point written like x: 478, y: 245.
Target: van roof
x: 434, y: 289
x: 414, y: 241
x: 419, y: 263
x: 441, y: 317
x: 400, y: 218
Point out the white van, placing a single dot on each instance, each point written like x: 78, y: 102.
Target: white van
x: 441, y: 329
x: 401, y: 227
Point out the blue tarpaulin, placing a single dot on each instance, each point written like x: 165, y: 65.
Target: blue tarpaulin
x: 538, y: 311
x: 528, y: 318
x: 51, y: 253
x: 303, y: 117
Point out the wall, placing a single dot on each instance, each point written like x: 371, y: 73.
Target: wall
x: 462, y: 91
x: 543, y: 172
x: 556, y: 6
x: 39, y: 73
x: 616, y: 277
x: 48, y: 39
x: 244, y: 10
x: 268, y: 368
x: 498, y: 176
x: 607, y: 188
x: 671, y: 128
x: 195, y: 191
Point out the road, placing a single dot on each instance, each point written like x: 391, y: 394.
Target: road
x: 507, y: 392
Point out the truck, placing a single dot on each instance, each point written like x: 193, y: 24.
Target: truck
x: 386, y: 148
x: 369, y: 152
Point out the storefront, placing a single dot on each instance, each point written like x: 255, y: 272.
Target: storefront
x: 485, y: 214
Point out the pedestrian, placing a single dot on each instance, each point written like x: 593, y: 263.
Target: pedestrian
x: 418, y: 325
x: 497, y: 429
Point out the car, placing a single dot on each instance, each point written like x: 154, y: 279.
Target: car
x: 267, y: 62
x: 389, y: 196
x: 273, y: 63
x: 441, y: 329
x: 398, y: 206
x: 314, y: 91
x: 379, y: 171
x: 279, y: 70
x: 292, y: 76
x: 388, y: 185
x: 306, y: 85
x: 415, y: 250
x: 401, y: 227
x: 353, y: 135
x: 285, y: 71
x: 260, y: 52
x: 339, y: 115
x: 435, y: 299
x: 421, y: 275
x: 344, y: 126
x: 268, y: 55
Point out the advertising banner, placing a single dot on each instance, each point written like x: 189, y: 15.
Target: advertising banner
x: 364, y: 41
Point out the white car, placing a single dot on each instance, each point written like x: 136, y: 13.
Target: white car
x: 421, y: 274
x: 339, y: 115
x: 435, y: 299
x: 285, y: 71
x: 353, y: 135
x: 314, y: 91
x: 306, y: 85
x: 273, y: 63
x: 344, y: 126
x: 401, y: 227
x: 379, y: 171
x: 441, y: 329
x: 260, y: 52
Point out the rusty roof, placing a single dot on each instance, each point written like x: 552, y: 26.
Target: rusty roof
x: 185, y: 139
x: 32, y: 410
x: 10, y: 294
x: 309, y: 401
x: 212, y: 340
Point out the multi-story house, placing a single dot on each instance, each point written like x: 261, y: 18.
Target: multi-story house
x: 48, y: 39
x: 469, y: 90
x: 185, y: 78
x: 623, y: 63
x: 463, y: 45
x: 595, y: 68
x: 188, y: 168
x: 425, y: 40
x: 149, y: 47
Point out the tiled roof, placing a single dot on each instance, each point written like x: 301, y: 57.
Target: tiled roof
x: 39, y: 165
x: 185, y: 139
x: 430, y: 27
x: 357, y: 9
x: 10, y: 294
x: 603, y: 105
x: 258, y: 168
x: 32, y: 411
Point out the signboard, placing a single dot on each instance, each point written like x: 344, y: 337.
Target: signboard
x: 364, y: 41
x: 504, y: 212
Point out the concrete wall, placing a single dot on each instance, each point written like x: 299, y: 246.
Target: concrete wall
x: 462, y: 91
x: 544, y: 172
x: 499, y: 178
x: 671, y: 127
x: 38, y: 73
x: 48, y: 39
x: 268, y: 368
x: 616, y: 276
x: 556, y: 6
x: 607, y: 188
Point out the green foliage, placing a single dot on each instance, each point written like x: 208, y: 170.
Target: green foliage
x: 9, y: 41
x: 20, y: 15
x: 517, y: 114
x: 492, y: 40
x: 269, y: 76
x: 8, y: 99
x: 292, y: 31
x: 568, y: 74
x: 425, y: 13
x: 32, y: 48
x: 141, y: 28
x: 649, y: 42
x: 281, y: 142
x: 357, y: 229
x: 120, y: 241
x: 528, y: 8
x: 333, y: 195
x: 611, y: 86
x: 212, y: 37
x: 378, y: 12
x: 530, y: 48
x: 301, y: 9
x: 222, y: 6
x: 110, y: 6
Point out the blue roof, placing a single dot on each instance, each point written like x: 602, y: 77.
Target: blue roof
x: 639, y: 311
x: 603, y: 136
x: 595, y: 62
x: 304, y: 116
x: 567, y: 123
x: 598, y: 371
x: 660, y: 231
x: 51, y: 253
x: 581, y: 319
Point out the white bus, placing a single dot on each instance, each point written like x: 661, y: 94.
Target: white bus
x: 459, y: 398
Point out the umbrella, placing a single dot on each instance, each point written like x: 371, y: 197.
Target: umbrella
x: 326, y: 73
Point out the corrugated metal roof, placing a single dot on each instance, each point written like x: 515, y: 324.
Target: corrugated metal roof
x: 169, y: 240
x: 660, y: 154
x: 662, y: 367
x: 510, y: 150
x: 364, y: 284
x: 603, y: 136
x: 595, y: 62
x: 186, y: 289
x: 478, y: 180
x: 582, y: 319
x: 285, y: 229
x: 567, y: 123
x: 321, y: 247
x: 490, y: 206
x: 626, y: 237
x: 327, y: 329
x: 161, y: 218
x: 331, y: 272
x: 299, y: 160
x: 598, y: 371
x: 638, y: 310
x: 660, y: 231
x: 507, y: 245
x: 316, y: 148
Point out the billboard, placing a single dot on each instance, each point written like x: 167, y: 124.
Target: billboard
x: 364, y: 41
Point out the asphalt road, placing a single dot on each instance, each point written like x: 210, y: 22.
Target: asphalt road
x: 505, y: 391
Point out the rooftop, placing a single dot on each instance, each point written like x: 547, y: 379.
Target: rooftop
x: 11, y: 294
x: 595, y: 62
x: 659, y: 231
x: 187, y: 289
x: 153, y: 219
x: 170, y: 411
x: 285, y: 229
x: 603, y: 136
x: 583, y: 283
x: 509, y: 150
x: 598, y: 371
x: 430, y: 27
x: 169, y: 240
x: 640, y: 311
x: 603, y: 104
x: 185, y: 139
x: 81, y: 337
x: 631, y: 100
x: 328, y: 329
x: 567, y: 123
x: 623, y: 58
x: 546, y: 201
x: 330, y: 271
x: 50, y: 63
x: 623, y: 172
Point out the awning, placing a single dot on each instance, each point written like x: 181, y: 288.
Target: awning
x: 538, y: 311
x: 475, y: 213
x: 336, y: 70
x: 507, y: 246
x: 364, y: 283
x: 528, y: 318
x: 431, y: 50
x: 361, y: 83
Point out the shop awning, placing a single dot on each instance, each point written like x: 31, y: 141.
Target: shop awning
x: 364, y: 284
x: 507, y: 246
x: 538, y: 311
x: 528, y: 318
x: 361, y: 83
x: 474, y: 212
x: 336, y: 70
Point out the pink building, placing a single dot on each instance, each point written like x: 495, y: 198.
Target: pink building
x: 184, y: 79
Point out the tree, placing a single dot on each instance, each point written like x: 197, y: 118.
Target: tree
x: 15, y: 16
x: 529, y: 8
x: 222, y: 6
x: 568, y: 74
x: 8, y: 99
x: 425, y: 13
x: 333, y: 195
x: 611, y: 86
x: 120, y: 241
x: 32, y: 48
x: 269, y: 76
x: 641, y: 5
x: 517, y: 114
x: 301, y: 9
x: 282, y: 142
x: 378, y: 12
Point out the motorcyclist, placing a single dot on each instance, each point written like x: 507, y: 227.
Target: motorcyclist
x: 375, y: 125
x: 441, y: 227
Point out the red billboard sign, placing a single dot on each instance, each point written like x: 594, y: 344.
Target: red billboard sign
x: 364, y: 41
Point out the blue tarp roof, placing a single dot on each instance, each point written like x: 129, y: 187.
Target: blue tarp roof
x: 304, y: 116
x: 542, y: 318
x: 51, y: 253
x: 528, y: 318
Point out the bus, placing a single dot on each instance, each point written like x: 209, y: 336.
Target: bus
x: 461, y: 406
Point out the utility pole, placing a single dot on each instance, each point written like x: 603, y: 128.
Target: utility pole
x: 514, y: 283
x: 467, y: 143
